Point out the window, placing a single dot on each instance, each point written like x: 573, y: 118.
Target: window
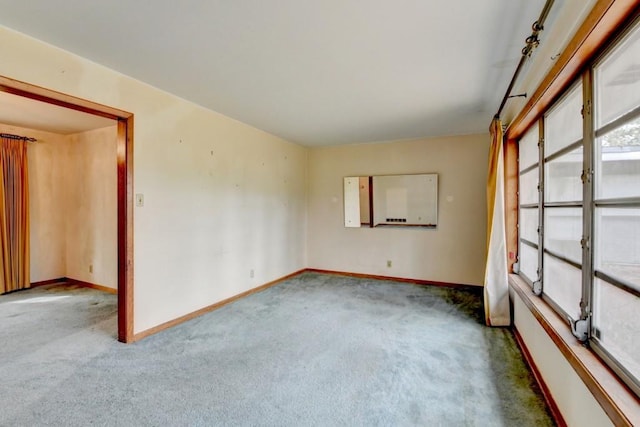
x: 529, y: 205
x: 616, y: 213
x: 580, y: 235
x: 563, y: 202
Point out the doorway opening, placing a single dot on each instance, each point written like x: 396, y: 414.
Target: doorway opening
x: 124, y: 149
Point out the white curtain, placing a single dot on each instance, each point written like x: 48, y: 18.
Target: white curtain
x: 496, y: 286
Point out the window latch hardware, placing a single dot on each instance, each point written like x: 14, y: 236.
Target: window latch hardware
x: 584, y: 243
x: 586, y: 108
x: 537, y: 288
x: 580, y: 329
x: 586, y: 176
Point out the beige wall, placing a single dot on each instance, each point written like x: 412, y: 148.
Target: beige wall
x: 91, y: 196
x: 221, y: 197
x: 454, y: 252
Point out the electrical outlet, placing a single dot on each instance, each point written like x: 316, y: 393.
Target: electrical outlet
x: 389, y: 263
x: 90, y: 268
x: 251, y: 273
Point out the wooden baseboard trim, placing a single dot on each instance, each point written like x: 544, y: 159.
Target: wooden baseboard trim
x: 209, y: 308
x: 546, y: 393
x: 74, y: 282
x: 91, y: 285
x: 48, y: 282
x: 419, y: 282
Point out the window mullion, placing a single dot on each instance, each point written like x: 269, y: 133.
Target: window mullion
x: 538, y: 284
x: 586, y: 304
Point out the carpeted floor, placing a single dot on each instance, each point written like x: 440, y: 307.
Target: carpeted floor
x: 317, y: 350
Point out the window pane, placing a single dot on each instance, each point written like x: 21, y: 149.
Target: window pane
x: 528, y: 148
x: 563, y: 284
x: 618, y: 162
x: 529, y: 262
x: 617, y: 316
x: 617, y: 250
x: 617, y: 81
x: 529, y: 224
x: 563, y: 124
x: 562, y: 178
x: 563, y: 232
x: 529, y: 187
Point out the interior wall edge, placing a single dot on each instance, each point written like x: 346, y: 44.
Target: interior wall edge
x: 95, y: 286
x: 48, y: 282
x: 419, y: 282
x: 197, y: 313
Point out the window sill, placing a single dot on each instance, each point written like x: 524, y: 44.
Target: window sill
x: 619, y: 403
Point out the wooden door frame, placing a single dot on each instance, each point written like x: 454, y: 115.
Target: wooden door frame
x: 125, y: 185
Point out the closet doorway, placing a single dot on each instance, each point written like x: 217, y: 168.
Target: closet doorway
x: 118, y: 124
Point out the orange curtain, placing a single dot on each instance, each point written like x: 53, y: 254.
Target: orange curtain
x: 14, y: 215
x: 496, y: 286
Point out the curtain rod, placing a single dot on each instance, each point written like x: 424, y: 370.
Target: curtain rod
x: 532, y: 43
x: 12, y: 136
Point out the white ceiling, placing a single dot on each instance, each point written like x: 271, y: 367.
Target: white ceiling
x: 314, y: 72
x: 27, y: 113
